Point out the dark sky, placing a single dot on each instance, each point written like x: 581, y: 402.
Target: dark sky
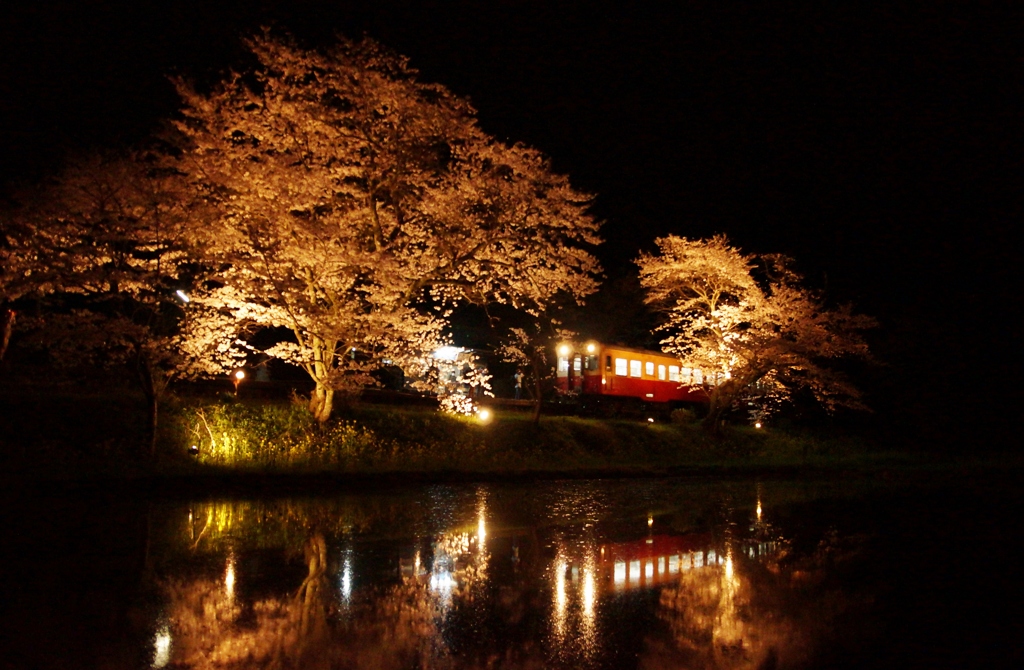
x: 879, y: 145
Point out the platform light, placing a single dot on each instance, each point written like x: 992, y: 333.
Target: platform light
x: 591, y: 348
x: 181, y: 294
x: 564, y: 350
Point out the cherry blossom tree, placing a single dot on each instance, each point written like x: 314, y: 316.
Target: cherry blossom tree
x: 103, y: 246
x: 357, y: 205
x: 746, y: 322
x: 532, y: 347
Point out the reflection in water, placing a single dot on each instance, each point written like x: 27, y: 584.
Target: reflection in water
x: 471, y: 582
x: 346, y: 577
x: 229, y: 576
x: 162, y: 647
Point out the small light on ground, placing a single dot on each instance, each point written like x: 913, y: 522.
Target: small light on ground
x: 484, y: 415
x: 240, y: 375
x: 757, y: 425
x: 650, y: 419
x: 194, y: 451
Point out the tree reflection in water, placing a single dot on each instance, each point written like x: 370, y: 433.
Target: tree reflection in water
x: 472, y: 592
x: 210, y: 629
x: 749, y: 613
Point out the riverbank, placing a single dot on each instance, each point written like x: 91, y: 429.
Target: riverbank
x: 223, y: 443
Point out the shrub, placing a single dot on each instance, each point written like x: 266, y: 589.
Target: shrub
x: 683, y: 416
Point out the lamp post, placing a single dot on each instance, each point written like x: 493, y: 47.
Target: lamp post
x: 239, y: 376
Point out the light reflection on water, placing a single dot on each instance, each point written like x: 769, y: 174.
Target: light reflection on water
x: 604, y: 574
x: 463, y: 594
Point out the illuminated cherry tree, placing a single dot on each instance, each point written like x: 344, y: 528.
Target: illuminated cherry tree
x: 531, y: 348
x: 103, y: 246
x: 357, y: 205
x: 748, y: 325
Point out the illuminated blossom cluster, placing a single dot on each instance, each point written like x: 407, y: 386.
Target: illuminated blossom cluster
x: 355, y: 206
x: 105, y: 242
x: 748, y: 318
x: 328, y: 200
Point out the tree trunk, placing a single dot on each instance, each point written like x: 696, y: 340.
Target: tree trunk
x: 151, y: 423
x: 321, y: 402
x: 712, y: 423
x: 5, y: 339
x: 537, y: 397
x: 152, y: 395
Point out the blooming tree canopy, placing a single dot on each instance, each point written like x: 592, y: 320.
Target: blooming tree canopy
x: 746, y: 322
x: 103, y: 243
x: 355, y: 205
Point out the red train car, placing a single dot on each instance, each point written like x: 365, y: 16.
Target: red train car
x: 611, y: 371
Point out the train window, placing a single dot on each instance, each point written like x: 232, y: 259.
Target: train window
x: 661, y: 372
x: 686, y: 374
x: 650, y: 369
x: 590, y: 365
x: 608, y: 363
x: 698, y: 377
x: 634, y: 369
x: 620, y: 367
x: 577, y: 364
x: 563, y: 365
x: 673, y: 373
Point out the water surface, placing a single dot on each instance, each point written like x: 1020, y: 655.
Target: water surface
x: 577, y: 574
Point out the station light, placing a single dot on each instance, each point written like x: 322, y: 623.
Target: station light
x: 181, y: 294
x: 591, y: 348
x: 564, y: 350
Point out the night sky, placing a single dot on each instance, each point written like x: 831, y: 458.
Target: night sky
x: 879, y: 146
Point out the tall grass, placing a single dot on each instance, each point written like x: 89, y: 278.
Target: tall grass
x: 285, y: 438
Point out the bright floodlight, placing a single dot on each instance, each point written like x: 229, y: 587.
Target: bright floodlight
x: 240, y: 375
x: 182, y: 295
x: 563, y: 350
x: 447, y: 353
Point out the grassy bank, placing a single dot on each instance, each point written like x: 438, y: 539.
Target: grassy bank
x: 280, y: 438
x: 80, y: 434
